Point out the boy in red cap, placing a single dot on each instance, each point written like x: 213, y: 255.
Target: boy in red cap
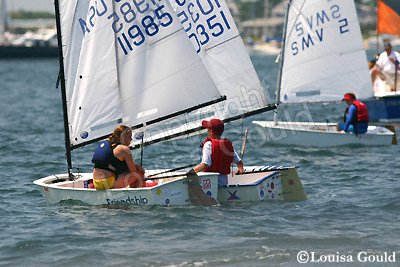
x: 218, y: 154
x: 355, y: 117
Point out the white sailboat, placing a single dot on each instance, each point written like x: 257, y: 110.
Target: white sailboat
x: 322, y: 59
x: 154, y: 65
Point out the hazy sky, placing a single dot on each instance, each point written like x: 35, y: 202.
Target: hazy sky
x: 45, y: 5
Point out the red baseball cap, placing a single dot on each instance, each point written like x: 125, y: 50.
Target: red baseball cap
x: 349, y: 96
x: 215, y: 124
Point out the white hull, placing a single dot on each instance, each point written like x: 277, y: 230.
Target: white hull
x: 262, y: 183
x: 322, y: 135
x: 167, y: 192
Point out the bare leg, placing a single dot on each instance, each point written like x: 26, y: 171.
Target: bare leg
x: 129, y: 179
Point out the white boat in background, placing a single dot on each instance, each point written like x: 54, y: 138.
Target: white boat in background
x: 324, y: 135
x: 39, y: 44
x: 114, y: 72
x: 271, y: 48
x: 322, y: 59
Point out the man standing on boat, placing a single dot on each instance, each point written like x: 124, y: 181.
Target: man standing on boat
x: 356, y: 116
x: 387, y: 66
x: 218, y: 154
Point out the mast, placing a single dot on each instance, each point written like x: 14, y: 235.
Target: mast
x: 63, y: 90
x: 279, y: 81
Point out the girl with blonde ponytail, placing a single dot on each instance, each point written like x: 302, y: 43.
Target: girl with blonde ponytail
x: 113, y: 163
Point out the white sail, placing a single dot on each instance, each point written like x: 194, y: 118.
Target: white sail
x: 214, y: 35
x: 127, y: 62
x: 323, y: 55
x: 216, y: 39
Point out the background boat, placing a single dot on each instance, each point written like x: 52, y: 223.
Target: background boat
x: 41, y: 43
x: 385, y: 106
x: 315, y: 67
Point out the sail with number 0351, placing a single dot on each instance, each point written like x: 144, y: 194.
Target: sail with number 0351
x: 215, y: 38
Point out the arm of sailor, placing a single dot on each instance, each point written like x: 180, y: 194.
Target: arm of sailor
x: 124, y: 153
x: 397, y: 59
x: 350, y: 116
x: 200, y: 168
x: 238, y: 161
x: 379, y: 62
x: 206, y: 158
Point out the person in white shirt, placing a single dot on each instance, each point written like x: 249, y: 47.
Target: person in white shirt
x: 387, y: 66
x: 218, y: 154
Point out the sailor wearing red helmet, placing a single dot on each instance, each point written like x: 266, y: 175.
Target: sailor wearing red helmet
x: 218, y: 154
x: 356, y: 116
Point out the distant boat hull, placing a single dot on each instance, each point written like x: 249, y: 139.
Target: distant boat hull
x: 323, y: 135
x: 385, y: 108
x: 10, y: 52
x: 257, y: 184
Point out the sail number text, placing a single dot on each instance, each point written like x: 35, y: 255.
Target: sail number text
x: 310, y: 31
x: 202, y: 20
x: 132, y: 21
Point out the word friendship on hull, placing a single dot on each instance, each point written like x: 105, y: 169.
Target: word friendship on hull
x: 256, y: 184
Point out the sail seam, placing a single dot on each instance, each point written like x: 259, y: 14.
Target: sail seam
x: 227, y: 40
x: 165, y: 37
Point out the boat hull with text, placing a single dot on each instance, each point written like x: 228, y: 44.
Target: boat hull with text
x: 168, y: 191
x: 256, y: 184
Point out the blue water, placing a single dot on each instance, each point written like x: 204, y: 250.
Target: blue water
x: 353, y: 195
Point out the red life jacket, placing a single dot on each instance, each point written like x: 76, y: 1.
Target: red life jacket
x: 362, y: 111
x: 221, y: 155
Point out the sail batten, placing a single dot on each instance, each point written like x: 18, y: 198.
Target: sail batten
x: 324, y: 54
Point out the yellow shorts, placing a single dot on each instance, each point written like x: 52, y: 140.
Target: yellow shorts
x: 104, y: 184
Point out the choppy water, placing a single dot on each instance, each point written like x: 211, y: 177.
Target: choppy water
x: 353, y: 204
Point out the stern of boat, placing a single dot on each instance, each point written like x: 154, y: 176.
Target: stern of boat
x: 263, y: 183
